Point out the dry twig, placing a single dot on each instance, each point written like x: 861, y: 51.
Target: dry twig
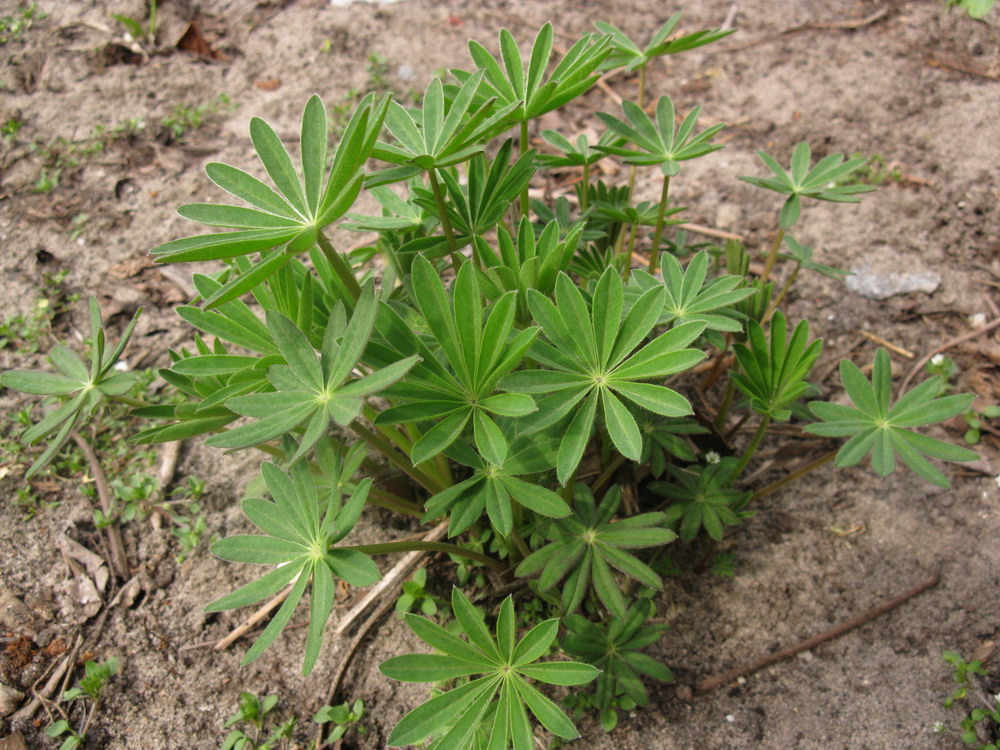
x: 945, y: 346
x: 115, y: 545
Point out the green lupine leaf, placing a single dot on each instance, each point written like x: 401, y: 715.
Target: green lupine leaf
x: 576, y: 438
x: 561, y: 672
x: 256, y: 590
x: 437, y: 713
x: 39, y: 383
x: 261, y: 550
x: 535, y: 643
x: 277, y: 623
x: 428, y: 667
x: 354, y: 567
x: 547, y: 712
x: 621, y: 426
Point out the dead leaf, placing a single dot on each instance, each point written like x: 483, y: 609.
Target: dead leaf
x: 192, y: 40
x: 269, y: 84
x: 131, y: 267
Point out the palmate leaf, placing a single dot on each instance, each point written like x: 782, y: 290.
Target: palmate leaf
x: 479, y: 351
x: 591, y: 360
x: 501, y: 694
x: 826, y: 181
x: 657, y: 142
x: 705, y: 498
x: 773, y: 370
x: 311, y: 391
x: 876, y: 426
x: 498, y: 489
x: 628, y: 54
x: 288, y: 219
x: 298, y: 537
x: 585, y: 547
x: 615, y: 648
x: 526, y: 93
x: 87, y: 387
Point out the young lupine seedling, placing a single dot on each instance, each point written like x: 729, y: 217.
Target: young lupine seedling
x: 982, y: 709
x: 500, y: 370
x: 91, y: 689
x: 415, y: 595
x: 344, y: 717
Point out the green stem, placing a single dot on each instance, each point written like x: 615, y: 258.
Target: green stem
x: 388, y: 548
x: 525, y: 205
x: 340, y: 267
x: 654, y: 255
x: 799, y: 472
x: 781, y: 295
x: 752, y: 447
x: 392, y: 502
x: 606, y: 475
x: 772, y: 255
x: 449, y: 233
x: 585, y: 188
x: 642, y: 101
x: 398, y: 460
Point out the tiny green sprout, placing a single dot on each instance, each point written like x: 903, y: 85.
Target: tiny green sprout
x: 976, y: 9
x: 704, y: 498
x: 415, y: 595
x: 344, y: 717
x: 90, y: 688
x: 982, y: 712
x: 254, y: 711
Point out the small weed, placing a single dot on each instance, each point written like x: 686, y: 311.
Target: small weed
x: 186, y: 117
x: 12, y: 26
x: 344, y: 717
x: 415, y: 595
x: 90, y: 688
x: 10, y: 128
x: 253, y: 711
x: 29, y: 333
x: 984, y: 718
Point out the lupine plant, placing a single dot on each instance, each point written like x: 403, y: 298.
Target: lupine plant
x: 502, y: 356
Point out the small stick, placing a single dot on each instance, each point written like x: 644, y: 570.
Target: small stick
x: 888, y: 345
x: 710, y: 232
x: 256, y: 617
x: 115, y: 544
x: 946, y: 345
x: 394, y: 576
x: 25, y: 713
x: 711, y: 683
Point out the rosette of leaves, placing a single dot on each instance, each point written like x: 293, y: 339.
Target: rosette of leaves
x: 85, y: 387
x: 309, y: 391
x: 591, y: 361
x: 658, y: 142
x: 501, y: 690
x: 282, y: 222
x: 705, y: 498
x: 527, y: 262
x: 586, y: 547
x: 773, y: 372
x: 298, y: 537
x: 443, y: 132
x: 629, y: 55
x: 498, y: 489
x: 877, y: 426
x: 825, y: 181
x: 691, y: 295
x: 478, y: 353
x: 527, y: 94
x: 615, y: 648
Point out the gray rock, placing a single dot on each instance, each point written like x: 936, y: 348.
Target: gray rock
x: 873, y: 283
x: 9, y: 699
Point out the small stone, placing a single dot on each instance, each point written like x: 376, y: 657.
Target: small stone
x: 14, y: 614
x: 10, y: 699
x: 875, y: 284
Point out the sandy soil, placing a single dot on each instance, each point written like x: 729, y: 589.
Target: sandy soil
x: 906, y: 80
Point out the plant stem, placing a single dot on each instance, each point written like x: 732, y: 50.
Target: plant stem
x: 387, y: 548
x: 727, y: 401
x: 654, y: 255
x: 781, y: 295
x: 340, y: 267
x: 752, y: 447
x: 392, y: 502
x: 791, y: 477
x: 642, y: 100
x: 525, y: 204
x: 115, y: 545
x: 398, y: 460
x: 772, y: 255
x: 449, y: 233
x: 585, y: 188
x: 606, y: 475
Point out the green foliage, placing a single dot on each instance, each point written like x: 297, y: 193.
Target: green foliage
x: 876, y: 426
x: 135, y: 28
x: 629, y: 55
x: 504, y: 665
x: 975, y: 8
x: 705, y: 498
x: 615, y: 648
x: 12, y: 26
x: 825, y: 181
x: 416, y: 595
x: 90, y: 689
x: 300, y: 530
x: 586, y: 547
x: 84, y: 389
x: 254, y: 711
x: 344, y: 717
x: 984, y: 718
